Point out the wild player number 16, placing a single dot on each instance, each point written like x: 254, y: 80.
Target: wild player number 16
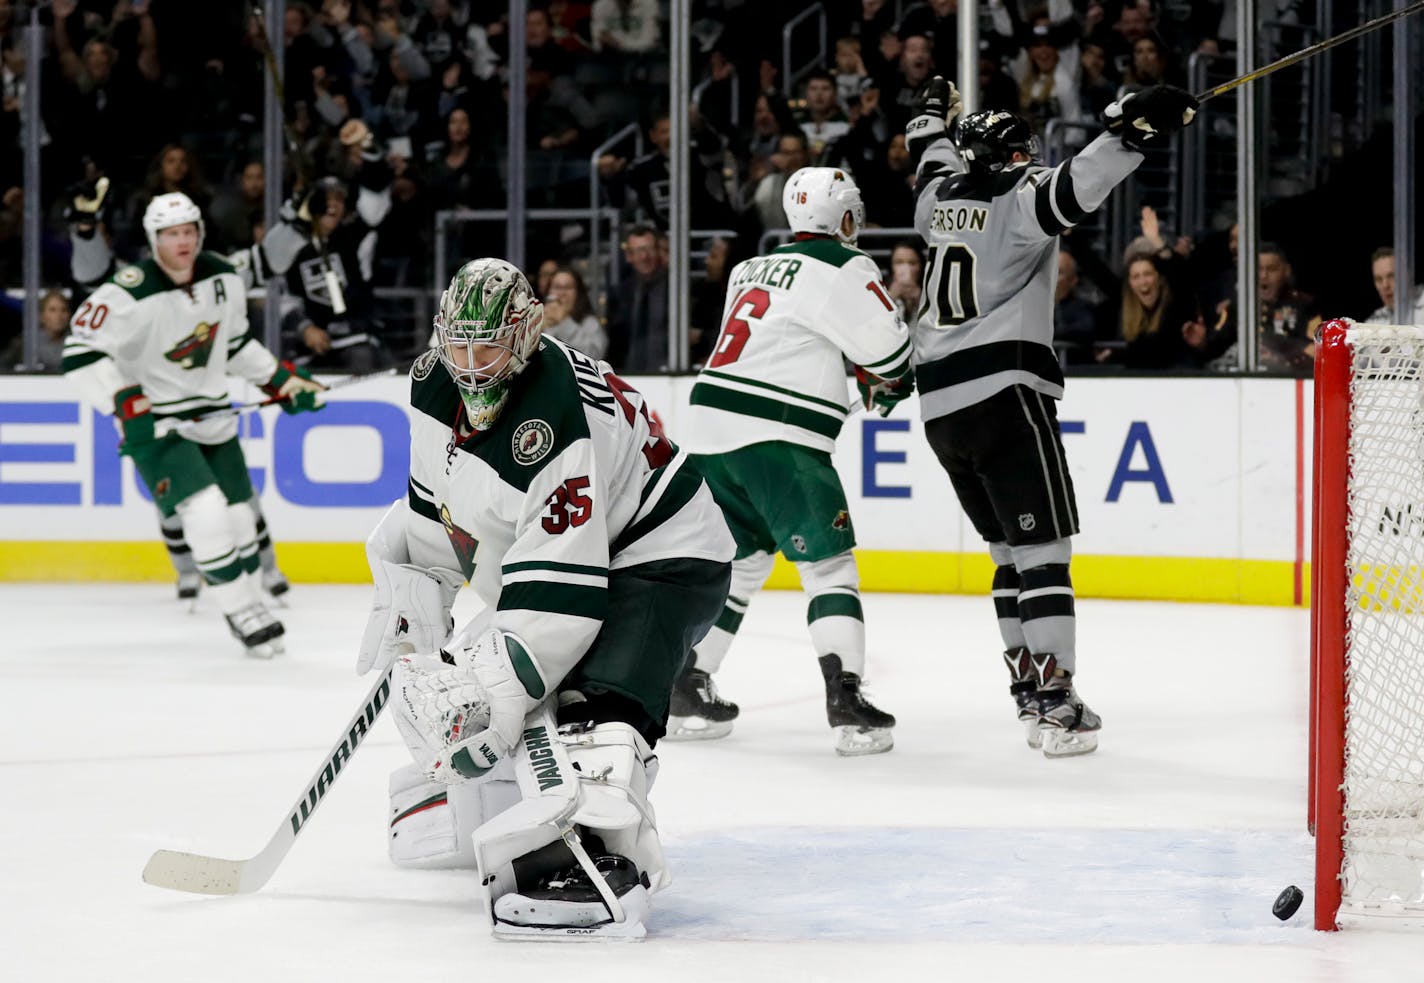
x: 753, y: 304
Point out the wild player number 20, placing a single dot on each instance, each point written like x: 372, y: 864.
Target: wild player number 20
x: 957, y: 296
x: 752, y: 304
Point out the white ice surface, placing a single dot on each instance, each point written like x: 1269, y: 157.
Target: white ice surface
x: 127, y: 725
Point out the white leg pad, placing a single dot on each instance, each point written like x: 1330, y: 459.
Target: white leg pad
x: 431, y: 824
x: 616, y: 770
x: 208, y: 527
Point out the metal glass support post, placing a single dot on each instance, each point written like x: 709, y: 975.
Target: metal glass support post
x: 1404, y: 172
x: 679, y: 170
x: 1248, y: 298
x: 273, y: 147
x: 517, y: 199
x: 33, y: 254
x: 969, y: 56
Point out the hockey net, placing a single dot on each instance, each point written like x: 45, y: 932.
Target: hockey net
x: 1367, y: 714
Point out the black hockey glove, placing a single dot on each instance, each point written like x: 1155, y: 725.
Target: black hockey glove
x: 86, y: 206
x: 935, y: 107
x: 1148, y: 118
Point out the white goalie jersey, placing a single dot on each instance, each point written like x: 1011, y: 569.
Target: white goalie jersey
x: 777, y: 371
x: 574, y: 479
x: 178, y: 343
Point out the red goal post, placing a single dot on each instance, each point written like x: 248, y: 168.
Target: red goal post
x: 1367, y: 627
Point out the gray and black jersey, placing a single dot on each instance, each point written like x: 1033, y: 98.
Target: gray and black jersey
x: 986, y: 320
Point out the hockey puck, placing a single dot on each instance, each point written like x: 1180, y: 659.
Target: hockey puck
x: 1288, y: 903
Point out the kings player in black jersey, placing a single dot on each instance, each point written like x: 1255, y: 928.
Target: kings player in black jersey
x: 985, y: 367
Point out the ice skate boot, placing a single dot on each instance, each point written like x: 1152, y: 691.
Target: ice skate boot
x: 696, y: 712
x: 257, y: 630
x: 189, y: 583
x: 1023, y: 683
x: 274, y: 582
x: 860, y: 728
x: 567, y: 905
x: 1066, y: 725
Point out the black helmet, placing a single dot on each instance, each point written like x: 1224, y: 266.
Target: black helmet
x: 988, y: 139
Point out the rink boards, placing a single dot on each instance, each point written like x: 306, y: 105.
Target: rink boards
x: 1188, y: 489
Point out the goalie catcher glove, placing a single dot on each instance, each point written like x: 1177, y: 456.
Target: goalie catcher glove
x: 295, y: 387
x: 1148, y: 118
x: 934, y: 109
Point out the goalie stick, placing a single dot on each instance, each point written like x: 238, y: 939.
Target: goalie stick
x: 198, y: 874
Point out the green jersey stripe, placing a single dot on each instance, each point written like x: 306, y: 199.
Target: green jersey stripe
x: 900, y: 354
x: 421, y: 488
x: 679, y: 491
x: 420, y: 506
x: 574, y: 600
x: 830, y: 404
x: 555, y: 567
x: 80, y: 359
x: 765, y: 408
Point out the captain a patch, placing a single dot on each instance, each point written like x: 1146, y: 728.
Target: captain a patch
x: 533, y: 439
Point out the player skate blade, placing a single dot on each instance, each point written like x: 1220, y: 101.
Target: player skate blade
x: 1066, y: 743
x: 696, y: 729
x: 1033, y: 734
x: 266, y: 650
x: 852, y: 742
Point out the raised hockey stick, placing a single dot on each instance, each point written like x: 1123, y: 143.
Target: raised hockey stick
x: 1314, y: 49
x: 294, y: 147
x: 197, y: 874
x: 242, y: 408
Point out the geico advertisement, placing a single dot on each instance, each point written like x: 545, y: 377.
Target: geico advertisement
x: 1161, y: 467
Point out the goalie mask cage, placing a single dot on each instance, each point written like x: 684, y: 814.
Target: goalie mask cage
x: 1367, y: 627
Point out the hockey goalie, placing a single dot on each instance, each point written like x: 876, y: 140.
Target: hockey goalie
x: 541, y: 479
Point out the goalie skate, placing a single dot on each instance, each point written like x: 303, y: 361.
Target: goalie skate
x: 258, y: 631
x: 1066, y: 725
x: 566, y: 906
x: 696, y: 712
x: 859, y: 727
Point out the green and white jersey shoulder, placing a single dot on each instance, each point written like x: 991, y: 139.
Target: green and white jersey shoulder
x: 777, y: 371
x: 178, y: 343
x: 574, y: 479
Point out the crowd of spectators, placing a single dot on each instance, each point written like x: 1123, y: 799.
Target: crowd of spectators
x: 408, y: 98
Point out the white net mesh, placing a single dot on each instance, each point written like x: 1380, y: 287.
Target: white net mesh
x: 1384, y: 677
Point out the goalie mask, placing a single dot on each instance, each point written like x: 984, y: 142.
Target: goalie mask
x: 166, y: 211
x: 816, y: 200
x: 488, y: 328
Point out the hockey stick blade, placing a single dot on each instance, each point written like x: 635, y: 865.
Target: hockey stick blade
x: 197, y: 874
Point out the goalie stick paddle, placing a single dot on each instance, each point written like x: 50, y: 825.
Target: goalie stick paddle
x: 1314, y: 49
x: 198, y: 874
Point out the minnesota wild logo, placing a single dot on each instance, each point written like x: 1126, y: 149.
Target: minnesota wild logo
x: 464, y: 544
x: 194, y: 351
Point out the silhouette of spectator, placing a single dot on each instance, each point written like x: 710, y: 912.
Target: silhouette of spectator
x: 1382, y: 271
x: 638, y: 318
x: 568, y: 314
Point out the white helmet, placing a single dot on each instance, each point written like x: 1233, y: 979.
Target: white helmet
x: 816, y: 199
x: 166, y: 211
